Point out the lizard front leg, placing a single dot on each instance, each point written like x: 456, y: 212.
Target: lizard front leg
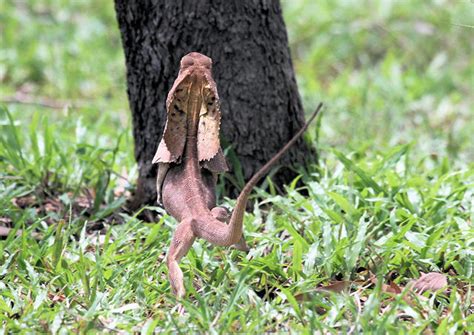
x: 182, y: 241
x: 160, y: 178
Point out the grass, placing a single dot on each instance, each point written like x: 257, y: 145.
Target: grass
x: 392, y: 198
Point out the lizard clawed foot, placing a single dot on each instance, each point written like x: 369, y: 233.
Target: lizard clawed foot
x: 242, y: 245
x: 181, y: 309
x: 176, y: 279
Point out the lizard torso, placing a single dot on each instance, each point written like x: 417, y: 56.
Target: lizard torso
x: 187, y: 187
x: 189, y: 157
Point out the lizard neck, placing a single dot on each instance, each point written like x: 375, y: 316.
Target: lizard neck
x: 190, y: 155
x: 192, y: 123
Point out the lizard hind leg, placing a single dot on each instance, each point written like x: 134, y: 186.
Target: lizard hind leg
x: 223, y: 215
x: 182, y: 241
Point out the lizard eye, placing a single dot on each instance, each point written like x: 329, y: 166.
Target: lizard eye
x: 208, y: 64
x: 187, y: 62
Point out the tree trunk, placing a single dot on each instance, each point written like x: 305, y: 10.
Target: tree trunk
x: 248, y: 43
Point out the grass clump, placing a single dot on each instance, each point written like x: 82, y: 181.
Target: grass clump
x: 391, y: 201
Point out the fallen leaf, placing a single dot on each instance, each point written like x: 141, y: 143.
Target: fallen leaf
x: 56, y: 297
x: 4, y: 231
x: 51, y: 207
x: 337, y: 286
x: 392, y: 288
x: 5, y: 221
x: 430, y: 281
x: 83, y: 202
x: 24, y: 202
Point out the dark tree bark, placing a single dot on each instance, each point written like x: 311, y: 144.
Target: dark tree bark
x: 247, y: 40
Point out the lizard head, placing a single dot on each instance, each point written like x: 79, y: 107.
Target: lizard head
x: 196, y: 60
x: 194, y: 82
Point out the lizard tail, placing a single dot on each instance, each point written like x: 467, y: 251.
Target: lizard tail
x: 239, y: 210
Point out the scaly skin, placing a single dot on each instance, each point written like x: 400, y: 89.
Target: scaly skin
x: 188, y: 190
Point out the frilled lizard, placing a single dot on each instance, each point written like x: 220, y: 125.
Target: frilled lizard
x: 189, y: 158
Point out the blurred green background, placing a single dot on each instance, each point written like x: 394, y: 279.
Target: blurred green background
x: 390, y: 72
